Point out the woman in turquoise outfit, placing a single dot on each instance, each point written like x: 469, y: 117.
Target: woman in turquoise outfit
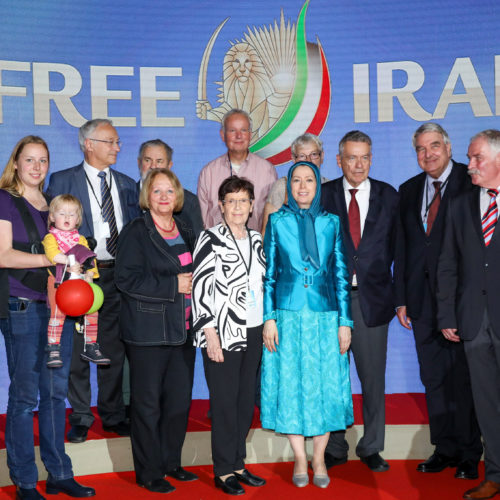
x: 306, y: 390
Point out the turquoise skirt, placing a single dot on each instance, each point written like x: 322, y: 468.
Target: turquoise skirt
x: 306, y: 387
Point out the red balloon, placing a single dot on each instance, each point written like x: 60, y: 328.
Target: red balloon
x: 74, y: 297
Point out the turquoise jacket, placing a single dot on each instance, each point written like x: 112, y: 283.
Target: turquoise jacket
x: 290, y: 283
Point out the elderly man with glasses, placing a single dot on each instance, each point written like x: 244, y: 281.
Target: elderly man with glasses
x: 109, y: 200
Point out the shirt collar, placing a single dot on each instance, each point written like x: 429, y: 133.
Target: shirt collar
x: 362, y: 187
x: 442, y: 178
x: 93, y: 172
x: 485, y: 190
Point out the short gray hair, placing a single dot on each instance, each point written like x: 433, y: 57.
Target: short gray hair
x: 158, y: 143
x: 354, y: 136
x: 430, y: 127
x: 232, y: 112
x: 88, y: 128
x: 492, y: 137
x: 304, y: 139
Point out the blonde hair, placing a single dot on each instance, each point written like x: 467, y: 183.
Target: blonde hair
x: 148, y: 182
x: 10, y: 178
x: 58, y: 201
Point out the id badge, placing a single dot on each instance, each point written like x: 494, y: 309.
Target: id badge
x: 251, y: 302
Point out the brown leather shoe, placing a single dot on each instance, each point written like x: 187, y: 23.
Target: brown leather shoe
x: 487, y: 489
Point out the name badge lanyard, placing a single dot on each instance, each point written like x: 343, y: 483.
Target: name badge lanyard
x: 230, y: 168
x: 241, y: 255
x: 93, y: 192
x: 427, y: 204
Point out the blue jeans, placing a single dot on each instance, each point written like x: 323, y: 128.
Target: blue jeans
x: 25, y: 333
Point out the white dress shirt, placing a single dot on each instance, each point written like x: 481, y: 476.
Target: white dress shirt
x: 101, y: 228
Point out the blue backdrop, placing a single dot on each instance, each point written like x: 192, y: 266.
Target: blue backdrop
x: 392, y: 65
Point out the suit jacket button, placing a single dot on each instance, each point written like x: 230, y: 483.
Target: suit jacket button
x: 305, y: 286
x: 306, y: 269
x: 355, y: 257
x: 484, y: 292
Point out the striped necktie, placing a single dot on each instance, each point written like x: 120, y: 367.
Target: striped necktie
x: 108, y: 214
x: 490, y: 217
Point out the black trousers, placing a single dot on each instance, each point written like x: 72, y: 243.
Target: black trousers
x: 445, y: 375
x: 483, y: 355
x: 109, y: 378
x: 161, y: 382
x: 232, y: 397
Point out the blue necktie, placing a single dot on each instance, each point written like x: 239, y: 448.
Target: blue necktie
x: 108, y: 214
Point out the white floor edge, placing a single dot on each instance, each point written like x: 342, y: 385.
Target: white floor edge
x: 403, y: 442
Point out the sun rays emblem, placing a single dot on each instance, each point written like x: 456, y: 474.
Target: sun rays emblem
x: 278, y: 77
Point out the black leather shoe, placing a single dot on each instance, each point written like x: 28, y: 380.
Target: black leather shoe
x: 467, y: 469
x: 375, y: 462
x: 28, y: 494
x: 157, y: 486
x: 436, y: 463
x: 229, y: 486
x: 250, y: 479
x: 68, y: 486
x: 121, y: 428
x: 331, y: 461
x: 181, y: 474
x: 78, y: 434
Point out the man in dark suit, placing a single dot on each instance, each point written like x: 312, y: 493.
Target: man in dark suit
x: 443, y: 368
x: 368, y: 211
x: 469, y: 291
x: 158, y: 154
x: 109, y: 200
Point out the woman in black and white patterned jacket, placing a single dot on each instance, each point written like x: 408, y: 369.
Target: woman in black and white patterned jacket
x: 229, y: 266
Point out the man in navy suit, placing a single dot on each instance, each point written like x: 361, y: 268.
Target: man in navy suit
x: 93, y: 182
x: 468, y: 292
x: 158, y: 154
x: 368, y: 211
x: 424, y: 204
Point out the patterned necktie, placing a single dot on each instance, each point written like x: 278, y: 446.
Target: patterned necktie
x: 108, y: 214
x: 490, y: 217
x: 433, y: 209
x: 354, y: 219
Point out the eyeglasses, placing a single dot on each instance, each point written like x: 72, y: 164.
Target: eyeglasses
x: 111, y: 143
x: 311, y: 156
x: 352, y: 160
x: 234, y: 203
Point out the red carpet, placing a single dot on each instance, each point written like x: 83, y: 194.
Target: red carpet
x: 351, y: 481
x: 400, y: 409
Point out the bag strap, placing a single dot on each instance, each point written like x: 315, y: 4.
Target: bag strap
x: 28, y: 222
x: 35, y: 279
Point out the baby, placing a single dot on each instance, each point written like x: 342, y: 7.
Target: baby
x: 65, y: 216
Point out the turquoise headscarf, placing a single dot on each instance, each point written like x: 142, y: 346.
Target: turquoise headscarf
x: 305, y: 216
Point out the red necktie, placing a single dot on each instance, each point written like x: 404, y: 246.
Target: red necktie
x: 354, y: 219
x: 433, y: 209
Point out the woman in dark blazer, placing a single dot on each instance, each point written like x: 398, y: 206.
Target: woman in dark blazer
x: 153, y: 273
